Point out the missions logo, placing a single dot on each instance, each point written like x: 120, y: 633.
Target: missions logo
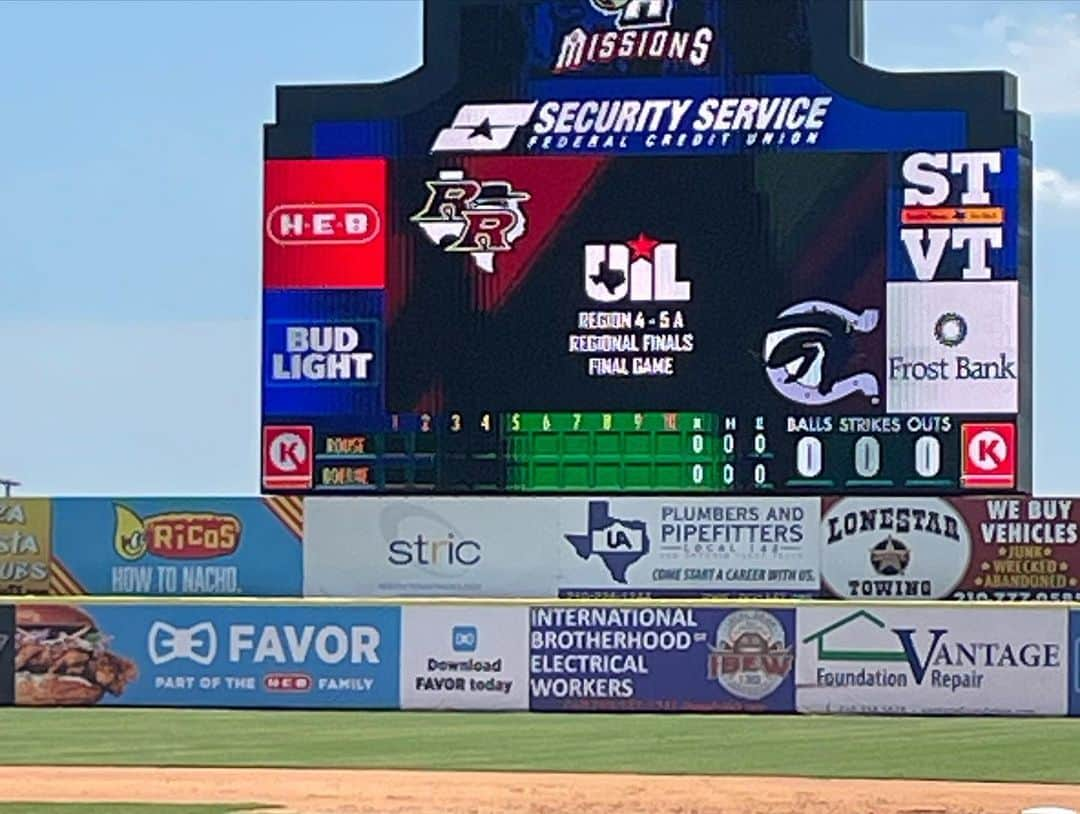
x: 642, y: 31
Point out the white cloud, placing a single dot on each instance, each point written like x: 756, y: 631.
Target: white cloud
x: 1055, y: 188
x: 1044, y: 52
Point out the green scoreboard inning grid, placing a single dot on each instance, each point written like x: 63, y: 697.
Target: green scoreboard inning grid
x: 647, y: 246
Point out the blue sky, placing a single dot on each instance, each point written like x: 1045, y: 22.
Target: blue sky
x: 130, y: 216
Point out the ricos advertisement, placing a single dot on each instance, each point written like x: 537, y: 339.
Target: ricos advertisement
x: 931, y: 661
x: 689, y: 547
x: 196, y: 655
x: 177, y: 546
x: 464, y: 657
x: 25, y: 544
x: 662, y: 659
x: 431, y: 547
x: 893, y: 548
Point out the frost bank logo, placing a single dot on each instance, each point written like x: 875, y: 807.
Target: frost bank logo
x: 619, y: 543
x: 846, y: 656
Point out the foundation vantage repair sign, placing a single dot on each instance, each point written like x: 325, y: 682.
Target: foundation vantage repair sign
x: 927, y: 661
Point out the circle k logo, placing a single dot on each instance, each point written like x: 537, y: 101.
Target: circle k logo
x: 287, y: 457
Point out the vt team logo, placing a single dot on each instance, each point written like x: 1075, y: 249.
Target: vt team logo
x: 642, y: 32
x: 641, y: 270
x: 809, y: 352
x: 619, y: 543
x: 480, y: 218
x: 953, y: 217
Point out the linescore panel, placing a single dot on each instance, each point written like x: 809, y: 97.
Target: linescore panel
x: 554, y: 285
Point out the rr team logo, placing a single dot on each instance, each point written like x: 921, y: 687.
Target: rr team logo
x: 642, y: 32
x: 809, y: 350
x: 480, y: 218
x: 641, y: 270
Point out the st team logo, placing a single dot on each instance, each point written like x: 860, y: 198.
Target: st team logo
x: 642, y: 32
x: 810, y: 352
x: 949, y: 210
x: 640, y: 270
x: 478, y: 218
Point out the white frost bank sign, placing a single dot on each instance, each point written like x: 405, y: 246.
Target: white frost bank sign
x: 925, y: 661
x: 464, y: 657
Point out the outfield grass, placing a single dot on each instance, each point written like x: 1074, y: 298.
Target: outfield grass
x: 931, y: 748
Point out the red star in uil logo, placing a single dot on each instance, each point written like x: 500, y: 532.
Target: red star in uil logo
x: 642, y: 246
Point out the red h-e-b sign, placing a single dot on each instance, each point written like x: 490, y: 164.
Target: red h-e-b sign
x: 324, y: 223
x: 988, y: 455
x: 288, y: 457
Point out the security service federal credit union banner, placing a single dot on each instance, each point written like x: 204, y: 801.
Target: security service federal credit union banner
x: 546, y: 547
x: 191, y: 546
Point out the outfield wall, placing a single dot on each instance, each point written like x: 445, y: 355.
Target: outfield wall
x: 748, y: 657
x: 855, y: 548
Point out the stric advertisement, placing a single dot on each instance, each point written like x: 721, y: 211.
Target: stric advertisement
x: 184, y: 546
x: 207, y: 655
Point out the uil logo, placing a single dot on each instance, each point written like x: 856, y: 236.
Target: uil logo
x: 480, y: 218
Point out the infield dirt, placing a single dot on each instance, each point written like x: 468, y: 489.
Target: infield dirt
x: 319, y: 791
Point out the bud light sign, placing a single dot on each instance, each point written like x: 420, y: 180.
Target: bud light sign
x: 674, y: 659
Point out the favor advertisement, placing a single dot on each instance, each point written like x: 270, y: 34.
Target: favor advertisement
x: 185, y: 546
x: 25, y: 544
x: 953, y: 660
x: 464, y: 657
x: 196, y: 655
x: 656, y: 659
x: 447, y: 546
x: 689, y: 547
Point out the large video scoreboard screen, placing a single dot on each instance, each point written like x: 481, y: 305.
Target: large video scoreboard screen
x: 646, y: 246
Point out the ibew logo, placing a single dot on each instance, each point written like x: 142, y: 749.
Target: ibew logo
x: 810, y: 350
x: 932, y: 226
x: 618, y: 543
x: 642, y: 270
x: 463, y: 638
x: 480, y: 218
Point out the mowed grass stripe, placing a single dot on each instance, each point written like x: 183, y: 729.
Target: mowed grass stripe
x: 1004, y: 749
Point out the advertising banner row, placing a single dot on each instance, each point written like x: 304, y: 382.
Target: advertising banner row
x: 855, y: 548
x: 818, y: 658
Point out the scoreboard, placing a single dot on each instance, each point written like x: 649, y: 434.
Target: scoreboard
x: 647, y: 246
